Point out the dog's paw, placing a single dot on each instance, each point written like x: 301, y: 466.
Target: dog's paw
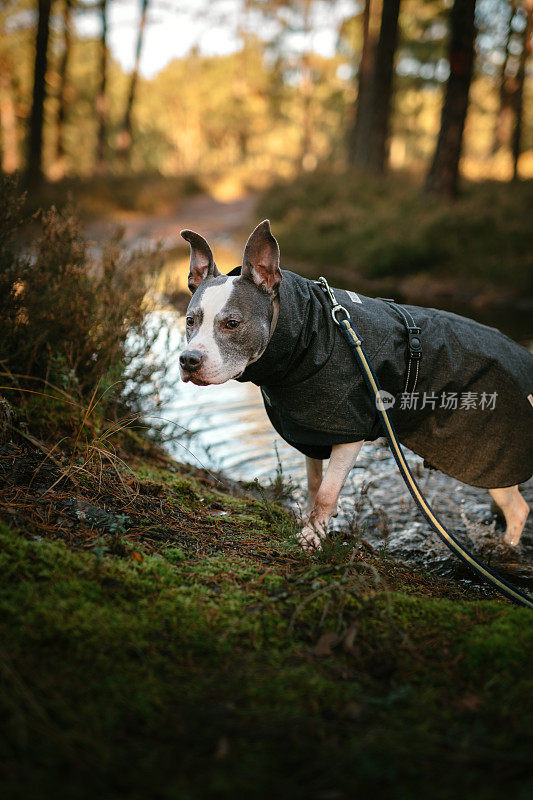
x: 512, y: 538
x: 310, y: 538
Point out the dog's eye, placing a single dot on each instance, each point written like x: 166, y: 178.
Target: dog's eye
x: 189, y: 321
x: 232, y: 323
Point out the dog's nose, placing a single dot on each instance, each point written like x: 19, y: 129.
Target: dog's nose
x: 190, y: 360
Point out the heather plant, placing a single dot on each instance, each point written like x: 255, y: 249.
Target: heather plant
x: 76, y: 339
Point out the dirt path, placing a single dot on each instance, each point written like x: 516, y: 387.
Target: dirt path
x: 216, y: 220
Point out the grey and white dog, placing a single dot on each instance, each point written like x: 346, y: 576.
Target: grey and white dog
x: 230, y: 322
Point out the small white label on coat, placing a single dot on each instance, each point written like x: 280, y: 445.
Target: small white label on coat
x: 354, y: 297
x: 530, y: 398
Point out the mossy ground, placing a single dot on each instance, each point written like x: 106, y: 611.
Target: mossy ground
x: 163, y: 637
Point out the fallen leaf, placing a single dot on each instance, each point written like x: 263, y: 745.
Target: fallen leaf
x: 471, y: 702
x: 325, y: 644
x: 222, y: 749
x: 354, y: 710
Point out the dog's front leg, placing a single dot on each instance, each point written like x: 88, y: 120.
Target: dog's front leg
x: 313, y: 468
x: 343, y: 457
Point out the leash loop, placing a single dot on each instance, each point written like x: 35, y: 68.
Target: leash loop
x: 335, y: 310
x: 354, y: 341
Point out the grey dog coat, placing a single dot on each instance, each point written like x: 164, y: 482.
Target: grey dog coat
x: 316, y: 397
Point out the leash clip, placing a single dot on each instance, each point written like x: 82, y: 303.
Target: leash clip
x: 324, y: 285
x: 337, y: 307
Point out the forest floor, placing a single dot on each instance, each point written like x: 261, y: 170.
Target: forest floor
x: 163, y: 635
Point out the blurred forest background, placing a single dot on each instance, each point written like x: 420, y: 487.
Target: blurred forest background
x: 133, y: 103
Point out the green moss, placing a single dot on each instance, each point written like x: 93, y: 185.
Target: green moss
x: 198, y: 677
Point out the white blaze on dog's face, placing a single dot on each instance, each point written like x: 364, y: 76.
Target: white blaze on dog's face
x: 228, y: 319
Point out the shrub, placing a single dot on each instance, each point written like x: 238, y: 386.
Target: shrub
x: 386, y: 228
x: 68, y: 321
x: 108, y: 195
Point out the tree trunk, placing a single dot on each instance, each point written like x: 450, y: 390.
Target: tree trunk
x: 101, y: 100
x: 370, y: 134
x: 443, y: 175
x: 307, y: 160
x: 34, y: 173
x: 125, y: 134
x: 63, y: 70
x: 502, y: 131
x: 382, y: 90
x: 8, y: 122
x: 359, y: 134
x: 520, y: 78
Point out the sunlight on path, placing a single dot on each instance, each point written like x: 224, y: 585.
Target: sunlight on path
x: 218, y: 221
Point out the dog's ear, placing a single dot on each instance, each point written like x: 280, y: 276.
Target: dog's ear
x: 202, y: 262
x: 260, y: 262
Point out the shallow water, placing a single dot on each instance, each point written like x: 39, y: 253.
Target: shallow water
x: 225, y: 428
